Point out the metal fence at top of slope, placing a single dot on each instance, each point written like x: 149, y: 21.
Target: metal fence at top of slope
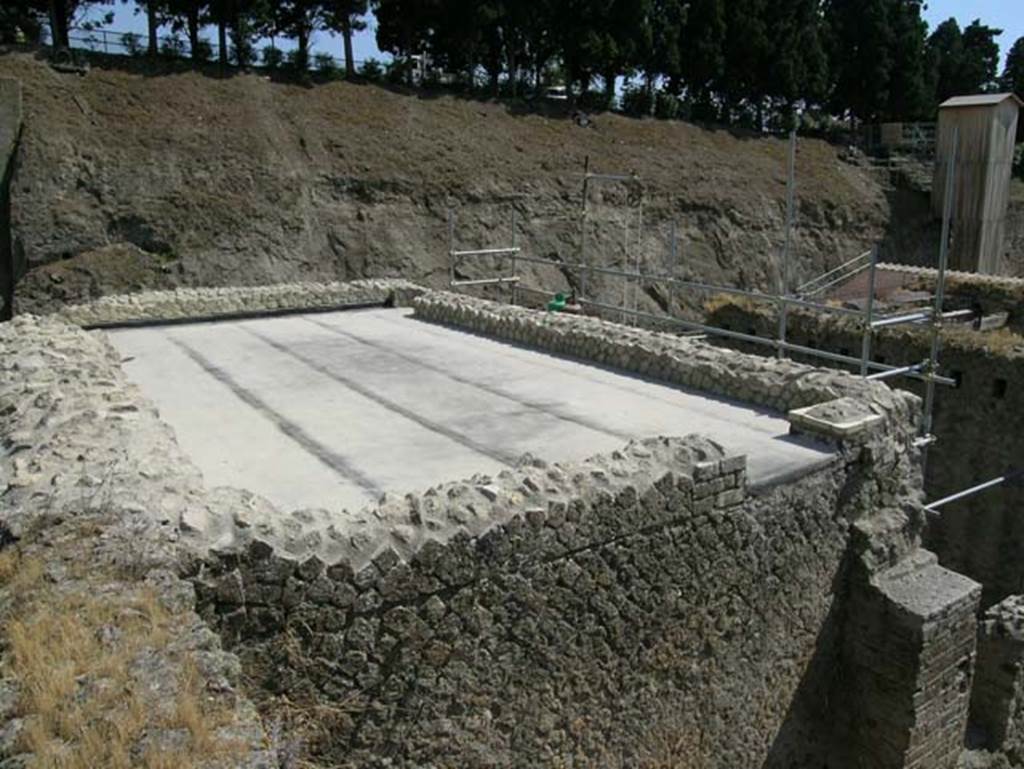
x: 175, y: 46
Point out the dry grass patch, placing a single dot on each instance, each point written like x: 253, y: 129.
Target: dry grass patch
x: 73, y: 652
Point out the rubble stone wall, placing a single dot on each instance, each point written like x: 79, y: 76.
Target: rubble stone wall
x: 636, y: 609
x: 94, y: 489
x: 997, y: 700
x: 643, y: 608
x: 780, y: 385
x: 189, y: 304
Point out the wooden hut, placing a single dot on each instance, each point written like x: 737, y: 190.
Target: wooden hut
x: 986, y: 128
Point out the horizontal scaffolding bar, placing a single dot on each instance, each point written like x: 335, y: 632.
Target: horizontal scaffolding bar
x: 918, y: 317
x: 485, y: 252
x: 917, y: 367
x: 966, y: 493
x: 614, y: 177
x: 483, y: 282
x: 896, y: 320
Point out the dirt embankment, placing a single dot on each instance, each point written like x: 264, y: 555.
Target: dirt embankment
x: 185, y: 178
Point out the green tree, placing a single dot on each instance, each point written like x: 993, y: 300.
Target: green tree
x: 797, y: 65
x: 189, y: 15
x: 910, y: 92
x: 1013, y: 75
x: 665, y: 54
x: 1013, y: 78
x: 346, y: 17
x: 703, y: 51
x: 299, y: 20
x: 963, y: 62
x: 860, y: 43
x: 21, y: 21
x: 981, y: 56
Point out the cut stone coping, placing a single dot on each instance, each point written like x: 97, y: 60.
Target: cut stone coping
x: 843, y: 419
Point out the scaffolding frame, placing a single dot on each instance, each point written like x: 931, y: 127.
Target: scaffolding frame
x: 871, y: 322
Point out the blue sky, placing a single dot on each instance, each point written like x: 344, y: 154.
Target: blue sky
x: 1004, y: 14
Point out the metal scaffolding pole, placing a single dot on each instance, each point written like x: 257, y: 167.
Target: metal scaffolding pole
x: 940, y: 295
x: 515, y: 263
x: 451, y: 246
x: 787, y: 245
x: 583, y: 226
x: 868, y: 338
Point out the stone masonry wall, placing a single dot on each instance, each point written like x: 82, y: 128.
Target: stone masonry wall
x: 186, y: 304
x: 979, y: 425
x: 95, y: 493
x: 969, y: 290
x: 997, y: 700
x: 781, y: 385
x: 909, y: 645
x: 634, y: 610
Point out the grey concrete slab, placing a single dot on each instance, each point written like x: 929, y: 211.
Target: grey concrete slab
x: 331, y: 410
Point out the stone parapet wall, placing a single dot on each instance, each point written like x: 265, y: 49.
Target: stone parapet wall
x: 638, y: 608
x: 781, y: 385
x: 204, y: 303
x: 970, y: 290
x: 1010, y: 284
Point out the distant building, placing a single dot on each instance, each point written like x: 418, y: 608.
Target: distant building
x: 983, y: 128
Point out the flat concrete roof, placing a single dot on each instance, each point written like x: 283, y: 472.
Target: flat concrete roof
x: 332, y: 410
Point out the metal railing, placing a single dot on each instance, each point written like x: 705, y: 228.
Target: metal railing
x: 834, y: 277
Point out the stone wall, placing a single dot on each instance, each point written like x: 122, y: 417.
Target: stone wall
x: 193, y: 304
x: 632, y: 610
x: 979, y: 424
x: 910, y: 640
x: 990, y: 294
x: 997, y: 701
x: 781, y: 385
x: 95, y: 497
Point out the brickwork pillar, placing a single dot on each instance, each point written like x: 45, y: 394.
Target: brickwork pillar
x: 910, y: 644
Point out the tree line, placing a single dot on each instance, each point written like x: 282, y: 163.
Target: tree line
x: 750, y: 62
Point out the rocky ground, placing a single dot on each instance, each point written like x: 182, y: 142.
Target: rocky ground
x: 129, y: 178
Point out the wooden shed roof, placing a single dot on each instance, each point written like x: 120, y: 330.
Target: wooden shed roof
x: 980, y: 100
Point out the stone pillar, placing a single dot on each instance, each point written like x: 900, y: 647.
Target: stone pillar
x: 10, y: 131
x: 997, y: 699
x: 910, y: 643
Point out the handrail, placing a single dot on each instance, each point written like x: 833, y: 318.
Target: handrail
x: 816, y: 285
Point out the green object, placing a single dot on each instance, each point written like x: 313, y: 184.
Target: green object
x: 557, y: 304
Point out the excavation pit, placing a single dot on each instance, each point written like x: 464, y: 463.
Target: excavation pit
x: 331, y: 410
